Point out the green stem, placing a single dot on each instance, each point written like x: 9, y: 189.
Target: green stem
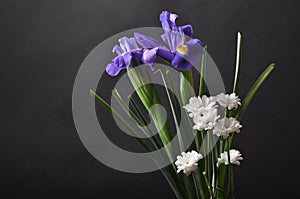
x: 208, y: 185
x: 229, y: 170
x: 208, y: 158
x: 215, y: 174
x: 232, y: 182
x: 203, y: 135
x: 196, y: 187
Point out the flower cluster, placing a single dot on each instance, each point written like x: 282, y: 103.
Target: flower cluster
x: 203, y: 110
x: 188, y: 162
x: 182, y: 51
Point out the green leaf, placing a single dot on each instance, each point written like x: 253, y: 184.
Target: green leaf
x: 238, y: 63
x: 143, y: 120
x: 173, y: 112
x: 168, y: 171
x: 202, y: 73
x: 187, y: 181
x: 254, y: 89
x: 149, y: 97
x: 121, y: 119
x: 147, y: 131
x: 186, y: 86
x: 177, y: 105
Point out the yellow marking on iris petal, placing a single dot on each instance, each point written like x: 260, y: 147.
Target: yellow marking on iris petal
x: 183, y: 49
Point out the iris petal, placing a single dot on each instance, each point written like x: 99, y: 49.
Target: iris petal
x: 119, y: 63
x: 149, y: 56
x: 112, y: 69
x: 187, y: 30
x: 166, y: 54
x: 146, y: 41
x: 174, y: 39
x: 181, y: 63
x: 117, y: 49
x: 127, y: 59
x: 167, y: 20
x: 128, y: 44
x: 137, y: 54
x: 186, y: 62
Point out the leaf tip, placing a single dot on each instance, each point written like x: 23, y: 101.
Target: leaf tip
x: 92, y: 93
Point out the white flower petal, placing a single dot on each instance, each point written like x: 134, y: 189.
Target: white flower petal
x: 235, y: 158
x: 188, y: 162
x: 231, y: 101
x: 225, y: 126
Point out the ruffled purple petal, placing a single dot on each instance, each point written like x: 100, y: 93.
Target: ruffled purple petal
x: 165, y: 54
x: 117, y: 49
x: 112, y: 69
x: 149, y: 56
x: 120, y: 62
x: 128, y: 44
x: 194, y: 54
x: 167, y: 20
x: 187, y: 30
x: 123, y: 61
x: 137, y: 54
x: 195, y: 42
x: 127, y: 59
x: 146, y: 41
x: 173, y: 39
x: 181, y: 63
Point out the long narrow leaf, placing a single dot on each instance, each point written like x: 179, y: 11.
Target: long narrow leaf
x: 202, y: 73
x: 171, y: 178
x: 238, y: 63
x: 173, y: 112
x: 121, y: 119
x: 223, y: 169
x: 147, y: 131
x: 254, y: 89
x: 143, y: 120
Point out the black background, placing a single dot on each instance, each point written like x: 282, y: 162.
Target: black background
x: 43, y: 43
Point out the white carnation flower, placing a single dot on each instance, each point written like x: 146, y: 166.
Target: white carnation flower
x: 231, y: 101
x: 226, y: 126
x: 207, y: 120
x: 197, y: 105
x: 188, y: 162
x: 235, y: 157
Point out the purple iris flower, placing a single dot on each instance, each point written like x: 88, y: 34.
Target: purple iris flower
x: 183, y: 51
x: 186, y: 51
x: 127, y: 50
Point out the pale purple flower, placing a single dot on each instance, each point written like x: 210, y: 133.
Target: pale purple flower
x: 186, y: 51
x: 127, y: 50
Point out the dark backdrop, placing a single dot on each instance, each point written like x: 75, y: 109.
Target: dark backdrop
x: 43, y: 43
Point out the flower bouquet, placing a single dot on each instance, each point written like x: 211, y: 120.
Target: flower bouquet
x: 195, y: 154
